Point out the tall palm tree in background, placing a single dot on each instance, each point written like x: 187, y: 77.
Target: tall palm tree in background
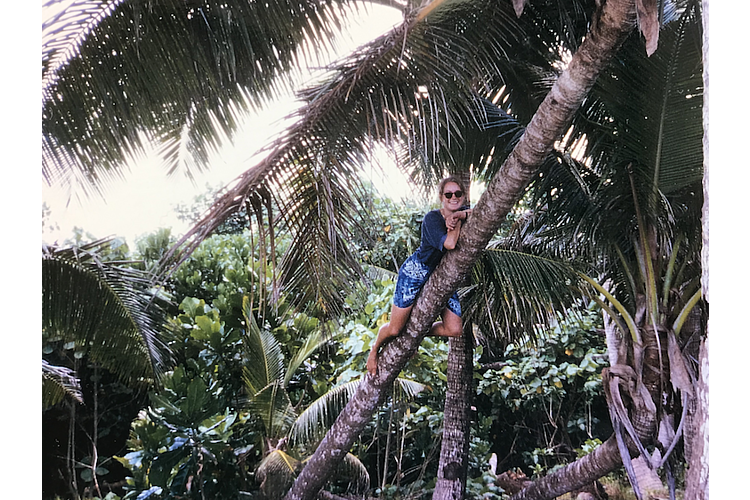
x: 414, y: 89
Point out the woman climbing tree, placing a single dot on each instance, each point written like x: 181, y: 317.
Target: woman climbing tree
x: 440, y: 231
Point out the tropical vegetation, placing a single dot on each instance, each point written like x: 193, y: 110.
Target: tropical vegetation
x: 526, y: 96
x: 244, y: 401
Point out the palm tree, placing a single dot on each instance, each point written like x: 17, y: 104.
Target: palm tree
x: 107, y: 308
x: 632, y: 210
x: 118, y: 74
x: 548, y: 124
x: 433, y: 63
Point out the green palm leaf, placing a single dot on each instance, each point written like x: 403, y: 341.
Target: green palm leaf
x: 274, y: 408
x: 314, y: 341
x: 353, y: 473
x: 648, y: 112
x: 263, y: 375
x: 107, y: 308
x: 412, y: 90
x: 515, y: 295
x: 276, y: 473
x: 264, y: 364
x: 120, y: 73
x: 58, y: 382
x: 278, y: 470
x: 316, y: 419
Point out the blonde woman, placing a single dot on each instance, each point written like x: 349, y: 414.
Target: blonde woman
x: 440, y: 230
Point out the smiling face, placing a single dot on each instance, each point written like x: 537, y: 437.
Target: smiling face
x: 450, y: 196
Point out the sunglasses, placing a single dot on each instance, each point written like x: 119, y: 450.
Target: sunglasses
x: 450, y: 194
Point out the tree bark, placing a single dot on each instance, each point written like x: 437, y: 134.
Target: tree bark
x: 696, y: 481
x: 612, y: 24
x: 454, y: 451
x: 584, y: 471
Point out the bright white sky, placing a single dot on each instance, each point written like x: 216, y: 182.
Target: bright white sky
x: 145, y: 199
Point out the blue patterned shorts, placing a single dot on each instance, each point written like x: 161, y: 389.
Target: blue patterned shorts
x: 411, y: 278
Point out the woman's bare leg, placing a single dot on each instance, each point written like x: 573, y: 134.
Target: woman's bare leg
x: 399, y: 317
x: 451, y: 326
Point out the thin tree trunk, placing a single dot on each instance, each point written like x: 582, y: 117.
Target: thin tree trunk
x: 696, y: 481
x: 454, y: 451
x: 454, y: 446
x: 614, y: 21
x: 70, y: 458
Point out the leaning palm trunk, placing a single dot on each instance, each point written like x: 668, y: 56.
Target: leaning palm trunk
x: 454, y: 451
x: 603, y: 460
x: 615, y: 21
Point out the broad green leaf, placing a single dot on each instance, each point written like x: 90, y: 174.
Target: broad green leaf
x: 196, y: 395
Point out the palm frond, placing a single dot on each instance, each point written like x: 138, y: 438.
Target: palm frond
x: 648, y: 111
x: 264, y: 365
x: 313, y: 342
x: 312, y: 424
x: 320, y: 263
x: 58, y: 382
x: 317, y: 418
x: 118, y: 74
x: 409, y: 89
x: 515, y: 295
x: 276, y: 472
x: 107, y: 308
x: 273, y: 407
x: 264, y: 379
x: 353, y: 473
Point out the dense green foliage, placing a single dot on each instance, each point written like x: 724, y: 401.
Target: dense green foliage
x: 545, y: 400
x: 211, y: 429
x: 247, y: 367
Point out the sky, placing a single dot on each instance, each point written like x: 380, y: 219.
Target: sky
x: 729, y: 174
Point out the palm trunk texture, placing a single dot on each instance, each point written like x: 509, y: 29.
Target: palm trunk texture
x: 603, y: 460
x: 454, y: 452
x: 613, y: 22
x: 696, y: 481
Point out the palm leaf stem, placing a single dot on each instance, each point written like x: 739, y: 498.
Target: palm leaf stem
x: 634, y: 331
x: 670, y: 270
x: 626, y: 269
x: 57, y: 382
x: 611, y: 313
x: 644, y: 254
x: 685, y: 311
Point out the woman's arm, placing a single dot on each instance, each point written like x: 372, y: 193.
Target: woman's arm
x: 452, y: 238
x: 453, y: 223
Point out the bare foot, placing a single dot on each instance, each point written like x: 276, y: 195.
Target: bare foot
x: 372, y: 363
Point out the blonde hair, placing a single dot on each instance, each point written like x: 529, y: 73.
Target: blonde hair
x: 448, y: 179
